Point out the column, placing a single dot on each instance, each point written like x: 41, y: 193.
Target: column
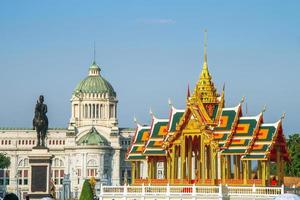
x: 176, y: 155
x: 101, y: 164
x: 116, y: 168
x: 219, y: 165
x: 238, y: 160
x: 202, y: 153
x: 263, y: 172
x: 183, y: 158
x: 190, y: 147
x: 133, y: 172
x: 245, y: 172
x: 172, y: 160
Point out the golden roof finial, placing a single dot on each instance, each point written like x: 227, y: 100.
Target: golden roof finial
x: 205, y: 46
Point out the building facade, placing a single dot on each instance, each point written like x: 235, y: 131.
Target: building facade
x: 91, y: 146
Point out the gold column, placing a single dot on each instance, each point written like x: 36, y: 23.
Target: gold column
x: 166, y: 170
x: 183, y: 158
x: 154, y: 169
x: 263, y: 172
x: 202, y: 152
x: 238, y: 170
x: 214, y: 166
x: 133, y: 171
x: 138, y: 170
x: 199, y: 159
x: 149, y: 169
x: 189, y: 157
x: 245, y: 171
x: 228, y: 167
x: 268, y: 172
x: 249, y: 166
x: 176, y: 155
x: 259, y: 170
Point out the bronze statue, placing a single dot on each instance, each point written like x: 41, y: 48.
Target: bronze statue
x: 40, y: 121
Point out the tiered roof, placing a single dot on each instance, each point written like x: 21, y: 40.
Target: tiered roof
x: 233, y: 133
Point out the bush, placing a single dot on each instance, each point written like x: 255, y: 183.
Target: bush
x: 87, y: 191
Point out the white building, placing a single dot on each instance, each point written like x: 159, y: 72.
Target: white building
x: 92, y: 146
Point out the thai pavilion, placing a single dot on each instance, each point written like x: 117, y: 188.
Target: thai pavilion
x: 208, y: 143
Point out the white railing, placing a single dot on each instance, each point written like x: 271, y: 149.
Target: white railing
x: 191, y: 192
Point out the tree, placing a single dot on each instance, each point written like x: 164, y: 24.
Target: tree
x: 4, y: 161
x: 87, y: 191
x: 293, y: 167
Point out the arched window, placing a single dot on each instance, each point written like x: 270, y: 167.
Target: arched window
x: 92, y: 168
x: 57, y: 171
x: 22, y: 174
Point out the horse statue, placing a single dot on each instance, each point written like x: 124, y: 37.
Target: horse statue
x: 40, y: 121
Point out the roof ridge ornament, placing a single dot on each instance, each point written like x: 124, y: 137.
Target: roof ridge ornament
x: 264, y: 108
x: 283, y: 116
x: 170, y: 102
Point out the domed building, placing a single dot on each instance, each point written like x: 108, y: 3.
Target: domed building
x: 91, y: 146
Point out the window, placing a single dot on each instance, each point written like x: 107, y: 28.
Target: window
x: 23, y: 177
x: 92, y: 168
x: 4, y: 177
x: 58, y: 176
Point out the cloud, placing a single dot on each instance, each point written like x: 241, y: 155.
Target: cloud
x: 158, y: 21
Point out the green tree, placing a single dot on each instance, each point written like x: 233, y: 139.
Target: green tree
x: 87, y: 191
x: 293, y: 167
x: 4, y: 161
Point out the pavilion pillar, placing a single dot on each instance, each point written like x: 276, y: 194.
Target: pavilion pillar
x: 183, y: 161
x: 245, y: 171
x: 200, y: 159
x: 249, y: 167
x: 235, y: 167
x: 171, y: 167
x: 154, y: 169
x: 203, y: 157
x: 189, y: 158
x: 166, y: 169
x: 263, y: 172
x: 259, y: 169
x: 176, y: 155
x: 219, y: 166
x: 213, y: 164
x: 223, y: 168
x: 238, y: 170
x: 138, y: 170
x: 267, y: 172
x: 228, y: 167
x: 133, y: 172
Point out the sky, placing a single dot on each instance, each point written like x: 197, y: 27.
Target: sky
x: 149, y: 51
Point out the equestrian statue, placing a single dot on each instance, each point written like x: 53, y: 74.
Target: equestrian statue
x: 40, y: 121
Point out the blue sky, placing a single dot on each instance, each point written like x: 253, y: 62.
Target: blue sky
x: 149, y: 51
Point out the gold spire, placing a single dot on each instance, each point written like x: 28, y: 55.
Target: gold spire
x: 205, y: 86
x: 205, y: 46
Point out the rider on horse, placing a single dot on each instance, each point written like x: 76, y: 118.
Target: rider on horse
x: 40, y: 121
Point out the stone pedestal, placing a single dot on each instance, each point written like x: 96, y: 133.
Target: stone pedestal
x: 39, y: 173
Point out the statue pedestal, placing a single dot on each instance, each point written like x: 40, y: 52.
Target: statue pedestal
x: 39, y: 173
